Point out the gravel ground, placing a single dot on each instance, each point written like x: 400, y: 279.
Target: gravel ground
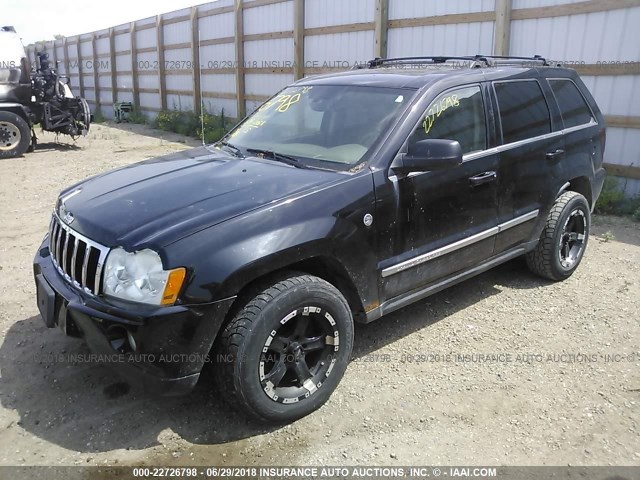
x: 504, y: 369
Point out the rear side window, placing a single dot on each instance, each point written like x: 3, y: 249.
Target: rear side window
x: 523, y: 110
x: 573, y: 107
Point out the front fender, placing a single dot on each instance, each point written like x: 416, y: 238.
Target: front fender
x: 258, y: 256
x: 323, y: 224
x: 17, y: 108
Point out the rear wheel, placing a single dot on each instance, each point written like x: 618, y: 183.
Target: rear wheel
x: 15, y: 135
x: 564, y: 238
x: 285, y: 351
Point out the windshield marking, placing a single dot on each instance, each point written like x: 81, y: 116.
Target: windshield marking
x: 319, y: 124
x: 285, y: 101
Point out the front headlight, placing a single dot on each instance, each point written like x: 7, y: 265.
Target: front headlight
x: 139, y: 277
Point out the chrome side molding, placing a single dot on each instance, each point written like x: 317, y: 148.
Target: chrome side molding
x: 452, y: 247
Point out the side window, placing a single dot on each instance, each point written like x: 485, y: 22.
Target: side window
x: 573, y: 107
x: 524, y: 112
x: 456, y: 115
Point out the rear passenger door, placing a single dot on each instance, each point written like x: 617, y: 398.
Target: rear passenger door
x: 530, y: 160
x: 582, y: 142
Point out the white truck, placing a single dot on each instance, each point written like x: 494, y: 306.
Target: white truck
x: 37, y: 97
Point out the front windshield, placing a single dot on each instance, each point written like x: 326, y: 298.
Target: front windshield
x: 327, y: 126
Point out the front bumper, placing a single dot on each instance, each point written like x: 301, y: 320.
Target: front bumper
x: 161, y: 348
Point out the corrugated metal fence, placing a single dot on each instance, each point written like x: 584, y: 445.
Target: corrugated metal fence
x: 233, y: 55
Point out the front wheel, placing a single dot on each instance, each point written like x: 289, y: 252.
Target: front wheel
x: 15, y: 135
x: 564, y: 238
x: 285, y: 351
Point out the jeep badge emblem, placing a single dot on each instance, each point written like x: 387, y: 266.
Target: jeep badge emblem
x: 68, y: 217
x: 63, y: 213
x: 368, y: 220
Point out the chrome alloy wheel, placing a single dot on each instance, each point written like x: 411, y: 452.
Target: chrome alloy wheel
x: 299, y: 355
x: 572, y: 239
x: 10, y: 136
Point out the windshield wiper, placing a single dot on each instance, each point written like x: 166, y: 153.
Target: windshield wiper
x: 235, y: 150
x: 279, y: 157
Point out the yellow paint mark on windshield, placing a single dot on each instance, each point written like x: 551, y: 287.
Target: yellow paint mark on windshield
x: 285, y: 101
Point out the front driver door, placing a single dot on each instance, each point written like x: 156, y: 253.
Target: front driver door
x: 433, y: 224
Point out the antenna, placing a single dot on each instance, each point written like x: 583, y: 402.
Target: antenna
x: 200, y: 84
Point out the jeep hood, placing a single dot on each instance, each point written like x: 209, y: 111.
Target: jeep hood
x: 159, y: 201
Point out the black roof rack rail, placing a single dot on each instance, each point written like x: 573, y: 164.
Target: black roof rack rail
x: 436, y: 59
x: 535, y: 58
x: 478, y: 61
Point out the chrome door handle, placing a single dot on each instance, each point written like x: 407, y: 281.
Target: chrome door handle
x: 483, y: 178
x: 553, y: 155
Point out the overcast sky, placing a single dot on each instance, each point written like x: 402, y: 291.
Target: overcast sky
x: 37, y: 20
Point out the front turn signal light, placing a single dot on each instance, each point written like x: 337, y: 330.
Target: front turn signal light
x: 173, y: 286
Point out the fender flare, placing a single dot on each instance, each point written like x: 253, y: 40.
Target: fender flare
x: 19, y: 106
x: 562, y: 189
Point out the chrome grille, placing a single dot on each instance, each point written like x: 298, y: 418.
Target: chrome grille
x: 78, y: 259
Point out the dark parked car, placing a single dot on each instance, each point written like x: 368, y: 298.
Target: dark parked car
x: 344, y: 197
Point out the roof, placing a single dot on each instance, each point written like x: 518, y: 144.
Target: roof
x: 419, y: 72
x: 407, y: 78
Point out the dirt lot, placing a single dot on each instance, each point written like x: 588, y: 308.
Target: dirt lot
x: 563, y: 386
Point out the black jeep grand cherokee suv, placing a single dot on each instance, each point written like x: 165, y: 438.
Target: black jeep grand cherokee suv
x: 344, y: 197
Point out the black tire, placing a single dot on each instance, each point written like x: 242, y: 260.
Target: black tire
x: 267, y: 336
x: 564, y: 238
x: 15, y: 135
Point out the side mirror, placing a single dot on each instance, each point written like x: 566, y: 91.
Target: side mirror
x: 428, y: 155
